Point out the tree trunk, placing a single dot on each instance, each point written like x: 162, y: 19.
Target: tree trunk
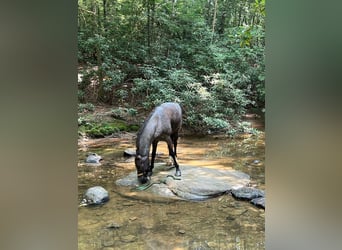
x: 101, y: 92
x: 104, y: 3
x: 214, y: 21
x: 149, y: 27
x: 150, y: 23
x: 221, y: 23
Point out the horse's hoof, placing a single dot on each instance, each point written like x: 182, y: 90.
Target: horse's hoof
x: 178, y: 173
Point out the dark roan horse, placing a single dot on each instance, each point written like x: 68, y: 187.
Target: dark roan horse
x: 163, y: 124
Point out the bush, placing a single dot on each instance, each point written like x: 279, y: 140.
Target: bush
x: 122, y: 113
x: 86, y: 107
x: 216, y: 77
x: 100, y: 130
x: 209, y: 106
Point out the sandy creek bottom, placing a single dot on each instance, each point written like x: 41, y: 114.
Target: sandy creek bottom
x: 129, y: 223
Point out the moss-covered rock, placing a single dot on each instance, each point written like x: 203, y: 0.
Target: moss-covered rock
x: 102, y: 121
x: 133, y: 127
x: 102, y: 129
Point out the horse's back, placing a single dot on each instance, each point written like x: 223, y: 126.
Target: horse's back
x: 172, y: 111
x: 174, y: 106
x: 170, y: 117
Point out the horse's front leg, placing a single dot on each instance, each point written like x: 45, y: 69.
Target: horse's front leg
x: 154, y: 151
x: 172, y: 154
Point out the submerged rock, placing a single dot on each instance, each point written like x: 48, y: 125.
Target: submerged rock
x: 129, y: 152
x: 95, y: 196
x: 93, y: 158
x: 256, y: 162
x: 254, y: 195
x: 259, y: 202
x: 128, y: 238
x: 247, y: 193
x: 196, y: 183
x: 113, y: 225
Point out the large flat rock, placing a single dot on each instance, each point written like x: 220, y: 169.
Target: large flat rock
x: 197, y: 183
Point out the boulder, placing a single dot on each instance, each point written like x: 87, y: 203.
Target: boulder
x: 259, y: 202
x: 247, y: 193
x: 95, y: 196
x: 196, y: 183
x: 129, y: 152
x: 93, y: 158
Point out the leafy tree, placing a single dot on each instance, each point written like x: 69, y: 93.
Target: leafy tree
x: 208, y: 55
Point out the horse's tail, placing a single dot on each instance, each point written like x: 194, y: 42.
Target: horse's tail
x: 182, y: 108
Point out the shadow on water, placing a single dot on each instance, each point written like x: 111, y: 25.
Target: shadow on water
x: 218, y: 223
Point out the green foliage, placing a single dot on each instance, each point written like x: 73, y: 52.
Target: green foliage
x: 86, y: 107
x: 80, y: 95
x: 132, y: 112
x: 100, y: 130
x: 215, y: 123
x: 122, y: 113
x: 246, y: 127
x: 142, y: 53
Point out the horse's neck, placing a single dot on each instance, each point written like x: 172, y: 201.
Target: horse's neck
x: 144, y: 145
x: 145, y: 139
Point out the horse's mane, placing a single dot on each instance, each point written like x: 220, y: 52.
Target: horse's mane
x: 142, y: 128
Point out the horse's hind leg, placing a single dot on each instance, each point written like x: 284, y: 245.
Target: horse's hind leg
x: 174, y: 139
x: 172, y: 154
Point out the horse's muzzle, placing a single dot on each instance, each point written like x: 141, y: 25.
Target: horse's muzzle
x: 142, y: 178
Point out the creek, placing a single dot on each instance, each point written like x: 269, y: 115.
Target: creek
x: 129, y: 223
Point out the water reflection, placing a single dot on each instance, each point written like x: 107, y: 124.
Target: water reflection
x: 218, y: 223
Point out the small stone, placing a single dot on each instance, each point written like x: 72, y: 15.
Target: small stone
x: 128, y: 238
x: 107, y: 240
x: 127, y: 204
x: 130, y: 152
x: 181, y: 231
x: 230, y: 217
x: 133, y: 218
x: 96, y: 195
x: 113, y: 225
x: 212, y: 245
x: 108, y: 243
x: 93, y: 158
x: 247, y: 193
x: 259, y: 202
x: 173, y: 212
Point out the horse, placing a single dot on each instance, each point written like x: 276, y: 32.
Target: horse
x: 162, y: 124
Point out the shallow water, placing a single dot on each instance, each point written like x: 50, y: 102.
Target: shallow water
x: 129, y: 223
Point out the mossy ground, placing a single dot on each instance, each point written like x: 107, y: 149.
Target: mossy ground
x: 99, y: 123
x: 99, y: 130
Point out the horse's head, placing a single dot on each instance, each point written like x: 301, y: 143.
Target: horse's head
x: 142, y: 166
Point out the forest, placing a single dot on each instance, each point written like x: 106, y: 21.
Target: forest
x: 208, y: 55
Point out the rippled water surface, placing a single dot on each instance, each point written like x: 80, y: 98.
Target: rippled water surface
x: 130, y: 223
